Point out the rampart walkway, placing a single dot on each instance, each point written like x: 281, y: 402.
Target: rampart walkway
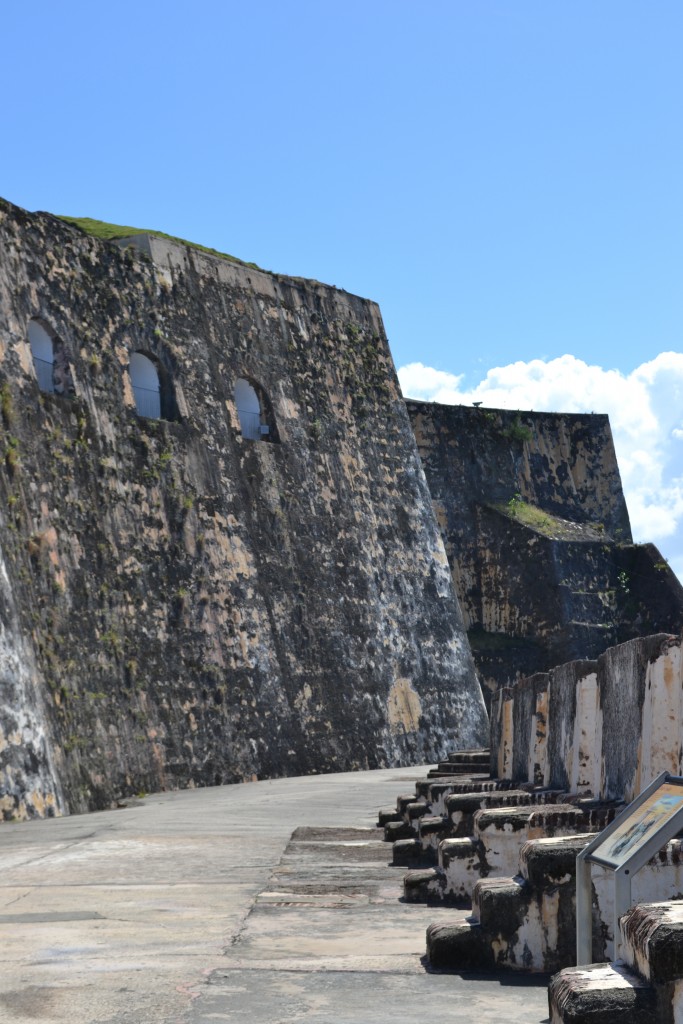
x: 270, y: 902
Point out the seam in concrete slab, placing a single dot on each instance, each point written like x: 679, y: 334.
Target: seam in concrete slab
x: 237, y: 935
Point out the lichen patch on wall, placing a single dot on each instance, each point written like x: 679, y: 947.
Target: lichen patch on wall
x: 403, y: 707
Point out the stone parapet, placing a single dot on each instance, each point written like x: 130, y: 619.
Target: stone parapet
x: 602, y: 729
x: 601, y: 994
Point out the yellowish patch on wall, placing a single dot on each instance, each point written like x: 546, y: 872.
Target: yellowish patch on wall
x: 303, y: 697
x: 403, y: 707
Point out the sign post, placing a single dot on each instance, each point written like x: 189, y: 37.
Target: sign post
x: 635, y: 835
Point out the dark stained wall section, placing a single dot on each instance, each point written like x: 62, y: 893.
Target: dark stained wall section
x: 537, y: 534
x: 202, y: 608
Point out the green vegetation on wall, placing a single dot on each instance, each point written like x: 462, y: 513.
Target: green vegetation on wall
x: 111, y: 232
x: 530, y: 515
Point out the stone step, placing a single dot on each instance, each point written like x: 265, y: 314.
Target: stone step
x: 446, y: 783
x: 423, y: 885
x: 479, y: 754
x: 424, y: 844
x: 423, y: 787
x: 644, y: 987
x: 387, y: 814
x: 653, y: 943
x: 602, y: 994
x: 502, y: 831
x: 494, y: 849
x: 431, y: 829
x: 549, y: 862
x: 500, y: 903
x: 394, y: 830
x: 464, y: 762
x: 530, y: 927
x: 435, y: 791
x: 462, y: 864
x: 403, y: 801
x: 595, y: 815
x: 462, y: 944
x: 415, y: 810
x: 529, y: 919
x: 407, y: 853
x: 462, y: 768
x: 460, y: 867
x: 548, y: 820
x: 461, y: 807
x: 408, y: 826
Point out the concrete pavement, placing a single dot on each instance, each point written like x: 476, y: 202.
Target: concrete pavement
x: 267, y: 902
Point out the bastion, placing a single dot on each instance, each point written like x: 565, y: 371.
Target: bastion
x: 533, y: 516
x: 193, y: 592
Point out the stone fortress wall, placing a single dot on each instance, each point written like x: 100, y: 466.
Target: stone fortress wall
x: 537, y: 533
x: 195, y: 593
x: 189, y: 607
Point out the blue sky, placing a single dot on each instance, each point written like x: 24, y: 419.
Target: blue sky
x: 502, y: 176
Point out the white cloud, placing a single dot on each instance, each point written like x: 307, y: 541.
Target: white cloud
x: 425, y: 382
x: 645, y: 408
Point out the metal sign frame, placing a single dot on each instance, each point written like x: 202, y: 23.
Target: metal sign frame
x: 642, y: 829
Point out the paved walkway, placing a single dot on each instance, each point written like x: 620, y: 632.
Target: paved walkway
x: 269, y: 902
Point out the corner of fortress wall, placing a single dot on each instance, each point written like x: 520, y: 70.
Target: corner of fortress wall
x: 533, y: 516
x: 198, y: 607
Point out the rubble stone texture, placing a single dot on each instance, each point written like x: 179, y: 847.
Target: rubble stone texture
x: 537, y: 533
x: 189, y: 607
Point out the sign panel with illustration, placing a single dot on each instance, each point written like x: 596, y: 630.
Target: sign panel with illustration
x: 633, y: 831
x: 625, y: 846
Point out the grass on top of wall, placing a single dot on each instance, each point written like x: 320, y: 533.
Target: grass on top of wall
x: 110, y: 232
x: 549, y: 525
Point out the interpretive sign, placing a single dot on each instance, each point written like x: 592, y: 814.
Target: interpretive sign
x: 636, y: 835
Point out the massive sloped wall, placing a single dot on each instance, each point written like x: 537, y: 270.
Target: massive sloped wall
x: 196, y: 607
x: 537, y: 534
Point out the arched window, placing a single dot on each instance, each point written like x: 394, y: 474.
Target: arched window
x: 43, y: 353
x: 144, y: 377
x: 249, y: 410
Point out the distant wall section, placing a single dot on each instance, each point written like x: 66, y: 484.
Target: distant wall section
x: 536, y: 529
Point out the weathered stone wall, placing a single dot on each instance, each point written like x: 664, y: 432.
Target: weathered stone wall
x: 526, y: 725
x: 193, y: 607
x: 533, y: 516
x: 612, y: 725
x: 562, y: 464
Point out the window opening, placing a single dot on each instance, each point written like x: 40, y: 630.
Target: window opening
x: 144, y: 377
x: 249, y: 411
x: 43, y: 353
